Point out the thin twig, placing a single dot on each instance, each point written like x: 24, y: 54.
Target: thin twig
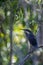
x: 28, y: 55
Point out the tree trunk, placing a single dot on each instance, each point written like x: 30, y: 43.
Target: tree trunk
x: 40, y: 34
x: 11, y: 29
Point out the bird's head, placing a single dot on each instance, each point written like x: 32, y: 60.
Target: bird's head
x: 27, y: 31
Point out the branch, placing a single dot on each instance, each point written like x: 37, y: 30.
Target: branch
x: 28, y: 55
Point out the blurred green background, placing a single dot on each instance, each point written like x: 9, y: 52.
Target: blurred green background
x: 16, y: 15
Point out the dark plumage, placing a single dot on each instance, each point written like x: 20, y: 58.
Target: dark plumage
x: 30, y: 36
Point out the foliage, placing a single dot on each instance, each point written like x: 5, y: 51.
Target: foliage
x: 8, y: 8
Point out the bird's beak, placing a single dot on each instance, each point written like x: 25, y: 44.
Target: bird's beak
x: 22, y: 29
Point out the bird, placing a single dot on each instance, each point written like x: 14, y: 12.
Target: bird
x: 30, y: 37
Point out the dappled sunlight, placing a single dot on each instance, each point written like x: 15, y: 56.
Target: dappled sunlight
x: 8, y: 13
x: 2, y: 35
x: 17, y: 39
x: 18, y: 34
x: 7, y: 31
x: 18, y: 27
x: 14, y: 59
x: 38, y: 51
x: 23, y: 40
